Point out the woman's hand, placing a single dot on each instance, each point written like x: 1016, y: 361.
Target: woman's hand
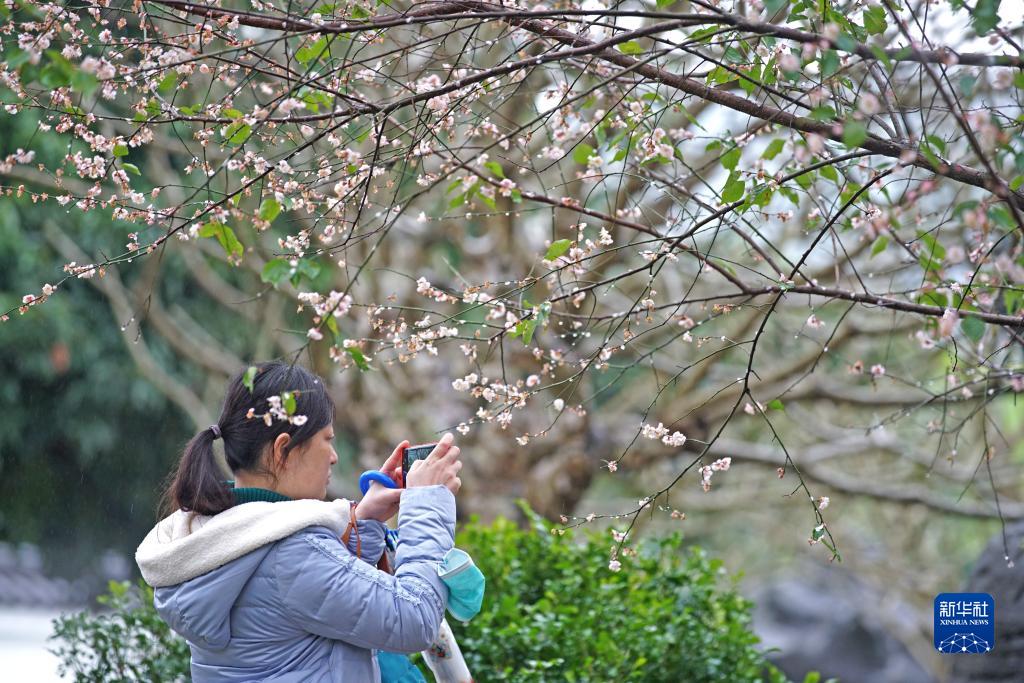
x: 380, y: 502
x: 440, y: 467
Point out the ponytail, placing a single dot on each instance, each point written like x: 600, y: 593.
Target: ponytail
x: 198, y: 485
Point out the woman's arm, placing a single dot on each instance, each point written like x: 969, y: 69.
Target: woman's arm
x: 326, y: 591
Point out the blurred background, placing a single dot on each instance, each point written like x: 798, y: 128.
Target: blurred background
x: 91, y: 429
x: 880, y: 466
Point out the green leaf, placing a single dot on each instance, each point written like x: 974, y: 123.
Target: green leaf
x: 774, y: 149
x: 1001, y: 216
x: 120, y: 150
x: 823, y: 113
x: 495, y: 168
x: 131, y: 168
x: 54, y: 76
x: 932, y: 248
x: 734, y: 188
x: 358, y: 357
x: 582, y: 152
x: 846, y: 42
x: 289, y: 402
x: 731, y: 158
x: 249, y: 377
x: 881, y: 242
x: 275, y: 270
x: 238, y: 132
x: 938, y: 143
x: 773, y: 6
x: 269, y: 209
x: 557, y: 248
x: 524, y: 329
x: 332, y: 325
x: 311, y: 52
x: 168, y: 82
x: 83, y: 82
x: 308, y: 268
x: 226, y: 236
x: 882, y: 56
x: 973, y: 328
x: 854, y: 133
x: 1013, y: 300
x: 985, y: 16
x: 775, y: 404
x: 630, y: 47
x: 874, y: 20
x: 830, y: 173
x: 829, y: 63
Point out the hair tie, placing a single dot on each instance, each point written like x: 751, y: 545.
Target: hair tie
x: 216, y: 431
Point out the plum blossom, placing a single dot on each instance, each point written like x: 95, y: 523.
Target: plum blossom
x: 650, y: 432
x: 947, y: 323
x: 676, y: 440
x: 720, y: 465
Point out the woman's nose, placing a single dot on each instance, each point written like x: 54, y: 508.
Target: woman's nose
x: 334, y: 457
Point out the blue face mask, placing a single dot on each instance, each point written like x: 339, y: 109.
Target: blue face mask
x: 465, y: 584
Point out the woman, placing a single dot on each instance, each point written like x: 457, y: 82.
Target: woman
x: 254, y: 574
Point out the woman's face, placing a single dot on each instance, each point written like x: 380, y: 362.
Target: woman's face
x: 307, y: 469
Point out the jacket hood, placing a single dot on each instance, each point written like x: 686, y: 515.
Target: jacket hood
x: 200, y: 564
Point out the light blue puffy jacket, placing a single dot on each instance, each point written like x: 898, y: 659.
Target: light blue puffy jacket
x: 304, y: 608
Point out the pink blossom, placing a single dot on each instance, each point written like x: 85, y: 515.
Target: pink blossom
x: 947, y: 323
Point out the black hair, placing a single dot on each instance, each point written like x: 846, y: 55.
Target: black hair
x: 198, y: 485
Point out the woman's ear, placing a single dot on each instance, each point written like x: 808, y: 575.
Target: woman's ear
x: 278, y: 452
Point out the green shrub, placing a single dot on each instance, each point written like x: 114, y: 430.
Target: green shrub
x: 129, y: 642
x: 555, y: 612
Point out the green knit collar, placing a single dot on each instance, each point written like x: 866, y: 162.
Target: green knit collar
x: 253, y: 494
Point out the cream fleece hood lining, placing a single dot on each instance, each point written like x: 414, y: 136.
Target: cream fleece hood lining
x: 184, y: 545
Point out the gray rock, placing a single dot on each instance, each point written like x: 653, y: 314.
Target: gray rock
x: 993, y: 575
x: 826, y: 621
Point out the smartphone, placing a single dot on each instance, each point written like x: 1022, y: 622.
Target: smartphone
x: 413, y: 453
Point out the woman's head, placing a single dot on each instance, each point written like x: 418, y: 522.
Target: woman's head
x: 264, y: 434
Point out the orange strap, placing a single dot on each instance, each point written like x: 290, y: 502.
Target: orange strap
x: 352, y: 527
